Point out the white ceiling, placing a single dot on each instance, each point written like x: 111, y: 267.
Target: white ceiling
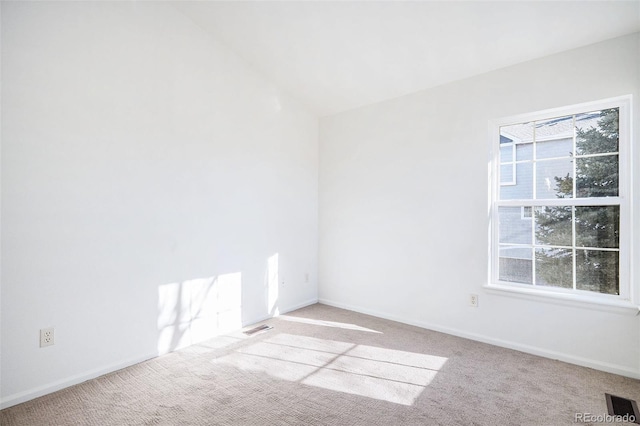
x: 335, y: 56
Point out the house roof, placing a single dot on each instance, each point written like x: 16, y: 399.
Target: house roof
x: 555, y: 128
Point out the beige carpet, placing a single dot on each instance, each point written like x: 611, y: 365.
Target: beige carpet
x: 326, y: 366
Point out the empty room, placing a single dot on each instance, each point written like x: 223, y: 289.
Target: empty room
x: 319, y: 212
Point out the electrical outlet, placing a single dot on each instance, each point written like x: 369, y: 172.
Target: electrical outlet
x: 473, y: 300
x: 46, y: 337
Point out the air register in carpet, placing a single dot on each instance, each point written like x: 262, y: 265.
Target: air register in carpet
x: 619, y: 406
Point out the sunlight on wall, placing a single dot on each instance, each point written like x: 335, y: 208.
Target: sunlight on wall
x: 326, y: 323
x: 199, y: 309
x: 384, y: 374
x: 272, y: 285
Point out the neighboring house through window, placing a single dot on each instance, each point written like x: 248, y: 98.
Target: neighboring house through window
x: 560, y: 201
x: 526, y: 212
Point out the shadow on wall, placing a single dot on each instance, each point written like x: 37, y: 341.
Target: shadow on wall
x: 195, y: 310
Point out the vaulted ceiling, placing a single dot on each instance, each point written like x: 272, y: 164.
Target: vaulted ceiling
x: 338, y: 55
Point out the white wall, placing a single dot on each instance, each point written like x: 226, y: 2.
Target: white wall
x: 138, y: 152
x: 403, y: 208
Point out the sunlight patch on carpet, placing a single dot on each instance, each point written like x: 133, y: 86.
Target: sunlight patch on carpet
x: 381, y: 373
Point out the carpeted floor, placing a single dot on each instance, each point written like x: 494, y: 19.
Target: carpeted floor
x: 327, y: 366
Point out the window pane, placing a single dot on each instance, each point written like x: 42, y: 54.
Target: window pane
x: 597, y: 131
x: 598, y: 271
x: 506, y: 173
x: 506, y: 154
x: 515, y: 264
x: 524, y: 151
x: 523, y: 189
x: 598, y: 226
x: 512, y: 228
x: 554, y: 267
x: 597, y: 176
x: 554, y: 129
x: 504, y: 139
x: 554, y: 148
x: 518, y: 133
x: 554, y: 179
x: 553, y: 226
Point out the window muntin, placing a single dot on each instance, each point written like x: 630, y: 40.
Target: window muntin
x: 562, y: 225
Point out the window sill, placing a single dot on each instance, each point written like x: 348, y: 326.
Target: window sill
x: 616, y: 306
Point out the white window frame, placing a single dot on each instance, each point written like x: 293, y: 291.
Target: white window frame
x: 629, y: 295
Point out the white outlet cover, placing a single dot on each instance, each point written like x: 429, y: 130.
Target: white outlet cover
x: 473, y: 300
x: 47, y: 336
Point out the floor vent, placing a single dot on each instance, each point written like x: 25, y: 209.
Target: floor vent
x: 619, y: 406
x: 254, y: 330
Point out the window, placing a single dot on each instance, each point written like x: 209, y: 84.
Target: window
x: 526, y: 212
x: 560, y: 201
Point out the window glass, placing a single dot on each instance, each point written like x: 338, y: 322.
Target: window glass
x: 598, y: 271
x: 597, y: 132
x: 512, y: 229
x: 558, y: 209
x: 598, y: 226
x: 522, y: 188
x: 597, y: 176
x: 554, y: 267
x: 553, y: 226
x: 554, y: 179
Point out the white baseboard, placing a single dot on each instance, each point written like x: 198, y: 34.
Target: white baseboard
x: 545, y: 353
x: 30, y: 394
x: 39, y: 391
